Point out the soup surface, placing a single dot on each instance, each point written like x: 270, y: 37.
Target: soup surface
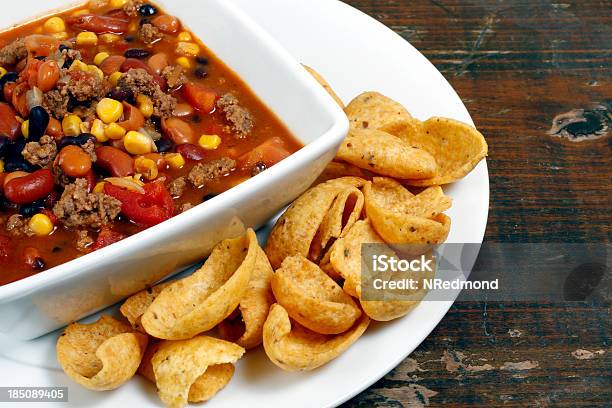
x: 114, y: 118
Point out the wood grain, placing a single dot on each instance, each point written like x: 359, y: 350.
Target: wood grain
x: 517, y: 65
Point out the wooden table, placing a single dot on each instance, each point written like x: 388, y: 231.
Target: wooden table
x: 517, y: 65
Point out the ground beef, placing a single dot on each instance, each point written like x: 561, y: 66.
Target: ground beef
x: 70, y: 54
x: 40, y: 153
x: 59, y: 177
x: 83, y: 241
x: 83, y: 86
x: 78, y: 208
x: 131, y: 7
x: 56, y: 103
x: 139, y: 82
x: 177, y: 187
x: 90, y: 148
x: 174, y: 76
x: 240, y: 119
x: 87, y: 113
x: 204, y: 172
x: 18, y: 226
x: 13, y: 53
x: 149, y: 34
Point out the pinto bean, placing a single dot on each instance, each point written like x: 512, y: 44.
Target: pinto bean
x: 132, y: 118
x: 48, y: 75
x: 117, y: 162
x: 74, y: 161
x: 158, y: 62
x: 167, y: 23
x: 25, y: 189
x: 98, y: 24
x: 112, y: 64
x: 183, y: 110
x: 54, y: 128
x: 178, y: 131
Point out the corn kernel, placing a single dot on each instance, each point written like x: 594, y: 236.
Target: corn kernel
x: 71, y: 125
x: 41, y: 225
x: 1, y: 166
x: 78, y: 65
x: 114, y: 78
x: 114, y: 131
x: 109, y: 110
x: 146, y: 167
x: 145, y: 105
x: 3, y: 72
x: 209, y: 142
x: 184, y: 62
x: 117, y: 4
x: 96, y: 71
x: 175, y: 160
x: 137, y: 143
x: 100, y: 57
x: 62, y: 36
x: 99, y: 188
x: 25, y: 128
x: 184, y: 36
x: 54, y: 25
x: 87, y: 38
x: 97, y: 129
x: 109, y: 38
x: 187, y: 48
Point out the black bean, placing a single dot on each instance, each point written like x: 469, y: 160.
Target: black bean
x: 136, y: 53
x: 4, y: 203
x: 28, y: 210
x: 147, y: 10
x: 18, y: 163
x: 259, y: 167
x: 8, y: 77
x: 163, y: 145
x: 120, y: 94
x: 40, y: 58
x: 38, y: 264
x: 201, y: 72
x: 129, y: 38
x: 144, y: 21
x: 56, y: 249
x: 5, y: 141
x: 38, y: 122
x: 63, y: 47
x: 202, y: 60
x: 196, y: 119
x: 208, y: 197
x: 79, y: 140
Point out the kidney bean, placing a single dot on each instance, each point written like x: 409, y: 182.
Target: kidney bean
x: 121, y: 94
x: 52, y: 199
x: 163, y: 145
x: 26, y: 189
x: 48, y: 75
x: 54, y: 128
x: 38, y: 122
x: 98, y: 24
x: 183, y: 110
x: 158, y: 62
x: 178, y: 131
x: 132, y: 118
x: 191, y: 152
x: 136, y: 53
x: 9, y: 125
x: 112, y: 64
x: 74, y: 161
x: 167, y: 23
x: 117, y: 162
x: 79, y: 140
x: 13, y: 175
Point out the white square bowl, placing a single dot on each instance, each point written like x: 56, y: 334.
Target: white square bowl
x: 41, y: 303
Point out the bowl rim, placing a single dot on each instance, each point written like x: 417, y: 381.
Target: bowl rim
x: 318, y: 146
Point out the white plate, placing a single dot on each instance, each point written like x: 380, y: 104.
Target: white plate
x: 356, y: 54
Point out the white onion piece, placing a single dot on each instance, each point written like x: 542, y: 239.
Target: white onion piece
x: 125, y: 183
x: 34, y: 97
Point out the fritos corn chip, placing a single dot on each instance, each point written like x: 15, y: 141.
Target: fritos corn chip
x: 336, y: 170
x: 293, y: 347
x: 312, y: 298
x: 253, y: 308
x: 371, y: 110
x: 100, y: 356
x: 387, y: 155
x: 135, y: 306
x: 178, y: 365
x: 198, y: 303
x: 457, y: 147
x: 205, y: 386
x: 325, y: 85
x: 295, y: 231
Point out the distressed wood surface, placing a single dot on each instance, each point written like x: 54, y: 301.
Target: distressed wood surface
x: 518, y: 65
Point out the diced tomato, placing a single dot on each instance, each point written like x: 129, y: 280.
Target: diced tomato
x: 19, y: 99
x: 270, y: 152
x: 151, y: 208
x: 106, y: 237
x: 199, y: 97
x: 9, y: 125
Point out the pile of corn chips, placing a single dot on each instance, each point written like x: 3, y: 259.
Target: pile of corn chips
x: 301, y: 296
